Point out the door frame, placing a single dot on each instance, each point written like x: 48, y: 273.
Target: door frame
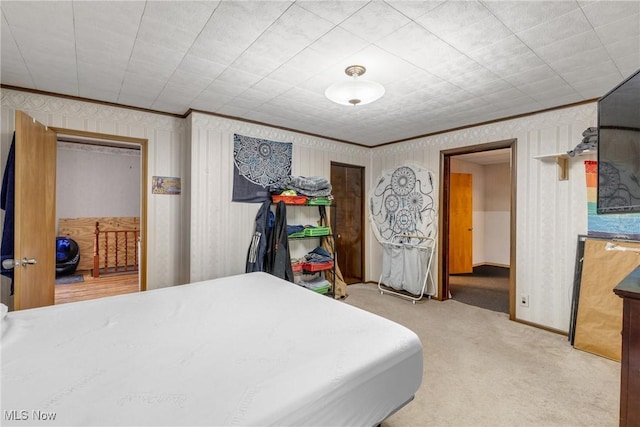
x: 443, y: 221
x: 362, y: 216
x: 144, y: 150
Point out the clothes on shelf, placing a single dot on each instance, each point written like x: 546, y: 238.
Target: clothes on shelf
x: 269, y: 247
x: 296, y: 229
x: 311, y: 186
x: 318, y: 255
x: 299, y: 231
x: 316, y: 260
x: 315, y: 284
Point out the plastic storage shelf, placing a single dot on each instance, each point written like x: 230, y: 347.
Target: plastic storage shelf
x: 317, y: 266
x: 317, y: 231
x: 290, y: 200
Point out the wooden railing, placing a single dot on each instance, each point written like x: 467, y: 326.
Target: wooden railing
x: 117, y: 248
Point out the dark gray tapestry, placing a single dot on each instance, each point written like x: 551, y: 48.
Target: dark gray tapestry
x: 258, y: 164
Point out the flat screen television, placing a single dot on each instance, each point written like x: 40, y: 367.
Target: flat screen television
x: 619, y: 148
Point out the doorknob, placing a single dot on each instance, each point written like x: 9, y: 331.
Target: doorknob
x: 26, y: 261
x: 9, y: 264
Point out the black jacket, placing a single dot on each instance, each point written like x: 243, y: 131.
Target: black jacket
x: 278, y: 258
x: 260, y: 239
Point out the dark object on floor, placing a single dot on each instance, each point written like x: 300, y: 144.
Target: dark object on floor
x: 67, y: 256
x: 65, y: 280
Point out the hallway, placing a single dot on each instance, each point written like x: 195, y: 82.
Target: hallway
x: 487, y: 287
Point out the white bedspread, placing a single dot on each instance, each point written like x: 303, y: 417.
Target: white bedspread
x: 243, y: 350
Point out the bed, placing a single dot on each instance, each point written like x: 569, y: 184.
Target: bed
x: 250, y: 349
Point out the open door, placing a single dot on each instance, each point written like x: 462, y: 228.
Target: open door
x: 35, y: 213
x: 461, y: 224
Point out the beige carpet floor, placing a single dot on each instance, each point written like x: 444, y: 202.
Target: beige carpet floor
x: 481, y: 369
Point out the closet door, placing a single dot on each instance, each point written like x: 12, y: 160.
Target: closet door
x: 347, y: 182
x: 35, y: 213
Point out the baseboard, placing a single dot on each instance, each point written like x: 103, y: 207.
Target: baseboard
x: 524, y: 322
x: 546, y: 328
x: 492, y: 264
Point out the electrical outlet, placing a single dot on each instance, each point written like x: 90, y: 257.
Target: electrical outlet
x: 524, y: 300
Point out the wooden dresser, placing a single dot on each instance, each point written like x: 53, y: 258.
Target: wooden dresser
x: 629, y: 291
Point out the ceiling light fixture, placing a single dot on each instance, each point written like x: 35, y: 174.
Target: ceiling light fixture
x: 356, y: 91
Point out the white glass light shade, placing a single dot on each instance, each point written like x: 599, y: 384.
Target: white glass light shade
x: 354, y: 92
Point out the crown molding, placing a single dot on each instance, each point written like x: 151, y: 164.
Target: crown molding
x: 31, y: 101
x: 206, y: 121
x: 494, y: 131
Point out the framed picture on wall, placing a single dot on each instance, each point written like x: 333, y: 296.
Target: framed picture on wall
x: 165, y: 185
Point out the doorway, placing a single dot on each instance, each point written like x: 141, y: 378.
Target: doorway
x: 347, y: 182
x: 486, y: 278
x: 95, y: 147
x: 98, y: 182
x: 34, y: 210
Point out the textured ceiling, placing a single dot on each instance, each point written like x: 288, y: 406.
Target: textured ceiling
x: 444, y: 64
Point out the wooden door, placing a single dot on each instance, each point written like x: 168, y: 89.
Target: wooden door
x: 461, y: 223
x: 347, y: 183
x: 35, y: 213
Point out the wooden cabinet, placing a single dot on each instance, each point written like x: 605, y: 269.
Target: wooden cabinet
x: 629, y: 291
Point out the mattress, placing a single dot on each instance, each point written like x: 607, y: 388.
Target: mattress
x: 250, y: 349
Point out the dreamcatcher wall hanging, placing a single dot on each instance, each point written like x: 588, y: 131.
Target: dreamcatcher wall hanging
x: 402, y: 203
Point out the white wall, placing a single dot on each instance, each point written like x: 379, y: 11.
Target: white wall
x: 550, y: 213
x: 96, y: 181
x: 166, y: 142
x: 220, y: 230
x: 496, y: 214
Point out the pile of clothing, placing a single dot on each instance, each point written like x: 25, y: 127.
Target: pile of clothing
x: 311, y: 186
x: 316, y: 260
x: 589, y: 142
x: 318, y: 284
x: 318, y: 256
x: 296, y: 230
